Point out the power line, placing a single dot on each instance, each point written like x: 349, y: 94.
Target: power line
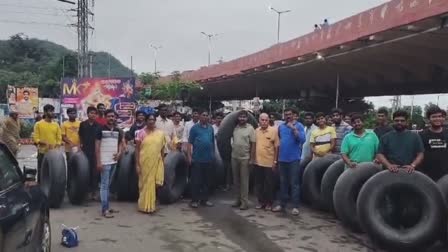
x: 29, y: 6
x: 36, y: 13
x: 30, y: 22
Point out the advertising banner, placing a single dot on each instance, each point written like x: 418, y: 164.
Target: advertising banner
x: 55, y: 102
x: 114, y: 93
x: 23, y: 100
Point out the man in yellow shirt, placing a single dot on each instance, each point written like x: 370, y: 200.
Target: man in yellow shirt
x: 70, y: 131
x: 323, y: 139
x: 47, y: 135
x: 266, y: 155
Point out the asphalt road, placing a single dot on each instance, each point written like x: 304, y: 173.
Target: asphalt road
x: 177, y: 228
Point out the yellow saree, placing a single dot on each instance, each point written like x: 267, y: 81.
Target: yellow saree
x: 152, y: 170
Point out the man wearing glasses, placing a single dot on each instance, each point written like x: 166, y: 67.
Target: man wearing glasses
x: 400, y: 148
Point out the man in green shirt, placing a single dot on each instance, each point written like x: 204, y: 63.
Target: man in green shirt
x: 359, y: 145
x: 243, y: 153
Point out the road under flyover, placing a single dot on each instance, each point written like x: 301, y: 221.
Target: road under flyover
x: 400, y: 47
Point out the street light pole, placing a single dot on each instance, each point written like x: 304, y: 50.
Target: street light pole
x: 279, y: 13
x: 209, y: 37
x: 156, y: 49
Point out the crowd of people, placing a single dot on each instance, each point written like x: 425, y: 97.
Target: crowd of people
x: 272, y: 147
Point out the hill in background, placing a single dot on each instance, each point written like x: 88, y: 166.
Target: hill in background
x: 27, y: 61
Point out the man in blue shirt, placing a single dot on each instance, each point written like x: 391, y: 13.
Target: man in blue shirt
x: 201, y: 152
x: 292, y: 136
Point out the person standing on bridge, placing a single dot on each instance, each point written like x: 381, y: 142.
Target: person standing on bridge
x: 200, y: 155
x: 292, y: 137
x: 243, y: 153
x: 47, y: 135
x: 341, y: 127
x: 435, y: 141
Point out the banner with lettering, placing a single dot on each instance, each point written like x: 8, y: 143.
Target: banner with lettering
x: 115, y: 93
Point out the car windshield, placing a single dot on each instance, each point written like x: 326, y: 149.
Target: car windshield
x: 8, y: 171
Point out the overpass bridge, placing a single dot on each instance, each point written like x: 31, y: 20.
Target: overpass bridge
x: 399, y: 47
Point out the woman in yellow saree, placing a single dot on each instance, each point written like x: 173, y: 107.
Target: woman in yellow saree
x: 149, y: 152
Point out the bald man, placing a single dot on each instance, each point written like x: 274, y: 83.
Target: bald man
x: 266, y: 155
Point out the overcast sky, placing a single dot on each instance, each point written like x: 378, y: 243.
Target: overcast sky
x: 127, y: 28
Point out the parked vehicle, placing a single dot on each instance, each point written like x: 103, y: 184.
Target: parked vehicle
x: 24, y: 210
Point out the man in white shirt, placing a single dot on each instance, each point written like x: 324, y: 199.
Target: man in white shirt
x: 167, y: 126
x: 189, y: 125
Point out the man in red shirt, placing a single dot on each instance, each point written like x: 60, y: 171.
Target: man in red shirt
x: 101, y: 119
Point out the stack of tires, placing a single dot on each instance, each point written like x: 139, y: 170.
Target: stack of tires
x: 399, y: 211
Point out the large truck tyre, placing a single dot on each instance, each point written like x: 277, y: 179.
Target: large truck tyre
x: 329, y: 182
x: 402, y: 211
x: 126, y: 177
x: 54, y: 177
x: 78, y: 177
x: 175, y: 181
x: 346, y: 192
x: 312, y: 178
x: 442, y: 183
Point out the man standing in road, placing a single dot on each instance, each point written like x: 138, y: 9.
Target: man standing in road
x: 167, y: 126
x: 178, y: 125
x: 10, y: 133
x: 383, y: 126
x: 101, y: 119
x: 323, y: 139
x: 292, y: 137
x: 435, y: 140
x: 341, y: 127
x: 189, y: 125
x: 108, y: 150
x: 138, y: 125
x: 200, y: 154
x: 400, y: 148
x: 243, y: 153
x: 70, y: 132
x: 359, y: 145
x: 87, y: 134
x: 47, y: 136
x: 266, y: 155
x: 309, y: 127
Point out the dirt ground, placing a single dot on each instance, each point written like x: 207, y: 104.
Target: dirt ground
x: 178, y: 228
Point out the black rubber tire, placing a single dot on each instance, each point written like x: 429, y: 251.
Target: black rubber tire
x: 127, y: 179
x: 346, y: 192
x: 329, y: 182
x: 54, y: 177
x: 312, y: 178
x: 175, y: 181
x: 78, y: 177
x: 425, y: 232
x: 302, y: 166
x: 219, y: 176
x: 442, y: 183
x: 226, y: 131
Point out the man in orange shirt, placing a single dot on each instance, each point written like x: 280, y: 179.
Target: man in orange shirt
x: 266, y: 154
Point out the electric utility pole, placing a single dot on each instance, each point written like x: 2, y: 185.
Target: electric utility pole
x: 83, y: 13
